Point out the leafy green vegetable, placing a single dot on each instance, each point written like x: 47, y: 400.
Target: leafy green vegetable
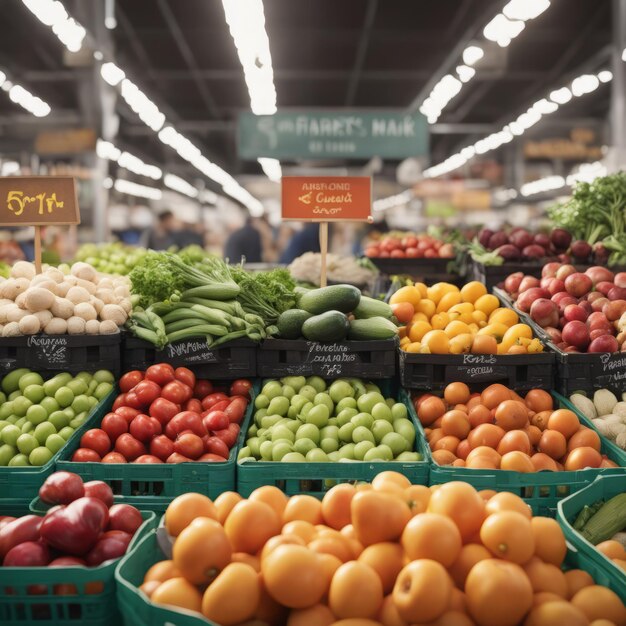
x: 480, y: 254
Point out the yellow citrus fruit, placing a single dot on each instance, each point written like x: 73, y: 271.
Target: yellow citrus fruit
x: 440, y: 320
x: 437, y: 342
x: 487, y: 303
x: 496, y: 330
x: 479, y: 316
x: 463, y: 307
x: 439, y: 290
x: 504, y: 316
x: 419, y: 317
x: 455, y: 328
x: 404, y: 341
x: 406, y: 294
x: 461, y: 344
x: 415, y: 346
x: 472, y: 291
x: 427, y: 307
x: 418, y: 330
x: 421, y: 287
x: 448, y: 300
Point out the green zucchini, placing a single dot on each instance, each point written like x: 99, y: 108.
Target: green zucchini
x: 342, y: 298
x: 369, y: 307
x: 290, y: 322
x: 371, y: 329
x: 329, y: 326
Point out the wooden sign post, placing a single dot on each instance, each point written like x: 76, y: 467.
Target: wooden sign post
x: 38, y: 201
x: 326, y: 199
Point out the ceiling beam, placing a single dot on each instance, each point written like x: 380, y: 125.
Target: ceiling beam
x: 361, y: 52
x: 188, y: 56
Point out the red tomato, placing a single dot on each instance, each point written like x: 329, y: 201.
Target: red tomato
x: 132, y: 400
x: 161, y: 447
x: 147, y: 392
x: 186, y: 420
x: 113, y: 424
x: 163, y: 410
x: 130, y: 379
x: 130, y: 447
x: 211, y: 458
x: 189, y: 445
x: 178, y: 458
x: 228, y: 435
x: 202, y: 388
x: 397, y: 254
x: 120, y: 401
x: 127, y: 412
x: 372, y: 251
x: 157, y: 429
x: 216, y: 420
x: 96, y: 439
x: 431, y: 253
x: 6, y: 519
x: 404, y: 311
x: 209, y: 401
x: 176, y: 392
x: 215, y: 445
x: 186, y: 376
x: 446, y: 251
x: 409, y: 242
x: 114, y: 457
x: 241, y: 387
x: 236, y: 409
x: 141, y: 428
x: 161, y: 373
x: 193, y: 405
x: 412, y: 253
x: 86, y: 455
x: 423, y: 245
x: 147, y: 458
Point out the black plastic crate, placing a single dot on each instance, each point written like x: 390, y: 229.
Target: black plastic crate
x: 517, y: 371
x: 426, y: 270
x: 61, y: 353
x: 492, y: 275
x: 235, y: 359
x: 361, y: 359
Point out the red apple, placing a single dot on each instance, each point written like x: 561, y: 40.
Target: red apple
x: 565, y: 302
x: 550, y: 269
x: 554, y: 334
x: 599, y: 274
x: 614, y: 310
x: 578, y: 284
x: 604, y: 287
x: 544, y: 312
x: 620, y: 279
x: 597, y: 305
x: 594, y: 295
x: 599, y: 332
x: 617, y: 293
x: 605, y: 343
x: 556, y: 286
x: 528, y: 282
x: 526, y: 298
x: 512, y: 282
x: 575, y: 312
x: 545, y: 281
x: 576, y: 334
x: 564, y: 271
x: 586, y: 306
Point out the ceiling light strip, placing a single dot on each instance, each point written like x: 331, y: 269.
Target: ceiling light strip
x: 271, y: 168
x: 106, y: 150
x: 53, y: 14
x: 24, y: 98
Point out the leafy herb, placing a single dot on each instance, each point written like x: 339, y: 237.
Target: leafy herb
x: 480, y: 254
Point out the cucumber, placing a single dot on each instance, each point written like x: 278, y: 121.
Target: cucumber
x: 372, y: 329
x: 290, y: 323
x: 369, y: 307
x: 342, y: 298
x: 329, y: 326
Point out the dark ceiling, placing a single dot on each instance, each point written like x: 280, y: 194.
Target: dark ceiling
x: 325, y: 53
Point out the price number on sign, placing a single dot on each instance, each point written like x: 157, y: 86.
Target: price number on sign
x: 17, y: 201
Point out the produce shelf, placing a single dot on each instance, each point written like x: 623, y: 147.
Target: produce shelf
x: 356, y: 359
x: 152, y: 487
x: 542, y: 491
x: 433, y: 270
x: 235, y: 359
x: 64, y: 596
x: 317, y: 478
x: 602, y: 488
x: 492, y: 275
x: 26, y: 481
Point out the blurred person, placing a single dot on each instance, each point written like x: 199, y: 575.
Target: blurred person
x: 189, y: 235
x: 269, y: 251
x: 244, y: 242
x: 162, y: 236
x: 305, y: 240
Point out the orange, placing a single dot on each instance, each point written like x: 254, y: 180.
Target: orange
x: 427, y: 307
x: 389, y: 615
x: 305, y: 508
x: 494, y: 394
x: 598, y: 602
x: 455, y: 423
x: 432, y: 536
x: 444, y: 457
x: 488, y: 435
x: 552, y: 443
x: 270, y: 495
x: 487, y: 304
x: 470, y: 292
x: 163, y: 570
x: 611, y: 549
x: 178, y: 592
x: 549, y: 540
x: 422, y: 591
x: 506, y: 501
x: 294, y: 576
x: 148, y: 588
x: 225, y: 503
x: 514, y: 440
x: 581, y: 458
x: 560, y: 612
x: 469, y: 555
x: 250, y: 524
x: 279, y: 540
x: 501, y: 315
x: 576, y: 580
x: 305, y: 530
x: 448, y: 301
x: 539, y: 400
x: 542, y: 461
x: 517, y: 462
x: 183, y: 509
x: 430, y: 410
x: 508, y: 535
x: 498, y: 593
x: 418, y: 329
x: 411, y: 295
x: 202, y: 550
x: 584, y: 438
x: 456, y: 393
x: 336, y: 505
x: 462, y: 504
x: 378, y: 516
x: 337, y: 546
x: 417, y: 497
x: 511, y: 415
x: 565, y: 421
x: 395, y: 478
x: 355, y: 591
x: 234, y: 596
x: 545, y: 596
x: 249, y: 559
x: 546, y: 577
x: 484, y: 344
x: 436, y: 341
x: 386, y: 559
x: 269, y: 611
x: 317, y: 615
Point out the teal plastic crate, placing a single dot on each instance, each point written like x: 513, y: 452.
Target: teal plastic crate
x: 317, y: 478
x: 602, y: 488
x: 26, y: 481
x: 542, y: 491
x: 63, y: 596
x: 151, y: 487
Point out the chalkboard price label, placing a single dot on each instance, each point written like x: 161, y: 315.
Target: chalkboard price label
x: 191, y: 351
x: 50, y: 349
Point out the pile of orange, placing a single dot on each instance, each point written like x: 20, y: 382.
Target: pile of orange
x: 615, y: 551
x: 382, y: 554
x: 444, y: 319
x: 498, y: 429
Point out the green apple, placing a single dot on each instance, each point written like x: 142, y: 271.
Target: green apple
x: 333, y: 456
x: 79, y: 420
x: 104, y: 376
x: 339, y: 390
x: 43, y: 431
x: 26, y: 443
x: 317, y: 383
x: 21, y: 405
x: 409, y: 457
x: 266, y: 450
x: 254, y: 443
x: 40, y: 456
x: 244, y: 453
x: 261, y: 401
x: 345, y: 403
x: 86, y: 376
x: 11, y: 381
x: 399, y: 412
x: 359, y: 389
x: 304, y: 411
x: 297, y: 382
x: 396, y: 442
x: 379, y: 453
x: 36, y: 414
x: 54, y: 443
x: 279, y: 450
x: 318, y: 415
x: 308, y: 392
x: 103, y: 390
x: 64, y: 396
x: 35, y: 393
x: 6, y: 409
x: 293, y: 457
x: 347, y: 451
x: 252, y: 431
x: 279, y: 405
x: 28, y: 427
x: 15, y: 394
x: 81, y: 403
x: 19, y: 460
x: 333, y: 422
x: 272, y: 389
x: 329, y: 431
x: 329, y: 445
x: 345, y: 416
x: 293, y: 425
x: 288, y: 392
x: 361, y: 448
x: 317, y: 456
x: 308, y: 431
x: 369, y: 387
x: 324, y: 398
x: 10, y: 435
x: 380, y: 428
x: 66, y: 432
x: 32, y: 378
x: 3, y: 423
x: 303, y: 446
x: 7, y: 452
x: 363, y: 419
x: 269, y: 420
x: 390, y: 402
x: 282, y: 432
x: 51, y: 405
x: 368, y: 401
x: 77, y: 386
x: 382, y: 412
x: 361, y: 433
x: 345, y: 432
x: 406, y: 429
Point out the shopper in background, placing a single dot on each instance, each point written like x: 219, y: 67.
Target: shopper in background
x: 163, y: 236
x: 244, y: 242
x: 305, y: 240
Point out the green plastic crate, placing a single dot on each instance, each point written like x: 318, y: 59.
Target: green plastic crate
x: 542, y: 491
x: 602, y: 488
x: 317, y: 478
x: 152, y: 487
x: 617, y: 453
x: 27, y: 480
x: 92, y: 602
x: 135, y: 607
